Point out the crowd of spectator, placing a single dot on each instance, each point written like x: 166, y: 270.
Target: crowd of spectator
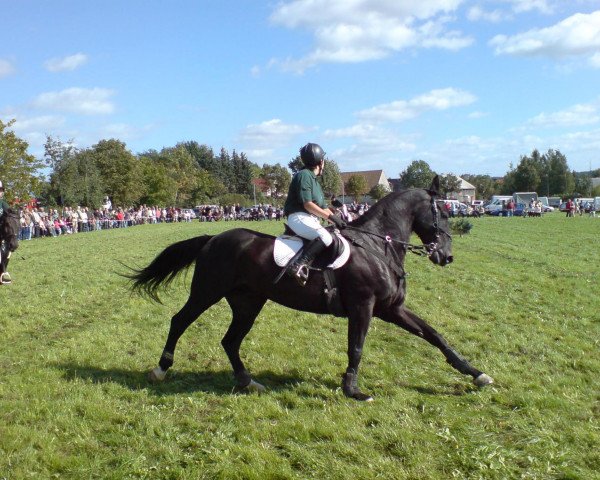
x: 52, y: 222
x: 42, y: 222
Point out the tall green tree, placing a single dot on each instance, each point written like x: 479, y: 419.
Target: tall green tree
x: 19, y: 171
x: 583, y: 184
x: 356, y: 187
x: 176, y: 178
x: 295, y: 164
x: 120, y: 170
x: 202, y: 154
x: 331, y: 180
x: 241, y: 174
x: 63, y: 179
x: 277, y: 178
x: 449, y: 184
x: 378, y: 192
x: 560, y: 179
x: 417, y: 175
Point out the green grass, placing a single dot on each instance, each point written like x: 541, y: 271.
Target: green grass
x: 520, y: 301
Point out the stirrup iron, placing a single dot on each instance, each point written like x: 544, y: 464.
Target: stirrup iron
x: 300, y: 274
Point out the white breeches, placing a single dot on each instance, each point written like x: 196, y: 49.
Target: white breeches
x: 308, y: 226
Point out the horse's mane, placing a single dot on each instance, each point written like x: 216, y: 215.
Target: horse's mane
x: 387, y: 204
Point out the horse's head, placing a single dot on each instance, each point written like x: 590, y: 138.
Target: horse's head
x: 431, y: 225
x: 9, y: 229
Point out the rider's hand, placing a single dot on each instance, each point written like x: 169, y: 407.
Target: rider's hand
x: 337, y: 221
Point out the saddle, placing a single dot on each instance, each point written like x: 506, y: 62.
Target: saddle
x: 289, y: 246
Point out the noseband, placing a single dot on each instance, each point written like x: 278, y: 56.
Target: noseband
x: 432, y: 247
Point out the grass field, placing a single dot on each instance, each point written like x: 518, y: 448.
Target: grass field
x: 520, y: 301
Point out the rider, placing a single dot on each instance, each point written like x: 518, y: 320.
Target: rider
x: 305, y: 205
x: 4, y: 276
x: 3, y: 205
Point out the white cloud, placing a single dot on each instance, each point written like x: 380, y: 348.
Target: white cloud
x: 6, y: 68
x: 574, y: 116
x: 476, y: 13
x: 477, y: 114
x: 577, y: 35
x: 508, y: 9
x: 42, y: 122
x: 520, y: 6
x: 86, y: 101
x: 70, y: 62
x: 401, y: 110
x: 272, y: 133
x: 356, y: 31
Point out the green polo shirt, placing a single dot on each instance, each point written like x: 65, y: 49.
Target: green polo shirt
x: 3, y: 205
x: 304, y: 188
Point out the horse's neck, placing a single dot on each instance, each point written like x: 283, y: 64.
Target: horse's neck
x: 396, y: 224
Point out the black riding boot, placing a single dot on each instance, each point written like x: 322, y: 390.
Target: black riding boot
x: 299, y: 269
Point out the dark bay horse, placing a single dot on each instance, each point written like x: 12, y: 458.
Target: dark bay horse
x: 238, y: 265
x: 9, y: 241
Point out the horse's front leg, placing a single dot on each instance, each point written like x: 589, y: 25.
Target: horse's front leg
x: 414, y: 324
x: 358, y: 326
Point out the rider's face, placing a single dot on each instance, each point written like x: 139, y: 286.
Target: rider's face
x: 321, y: 167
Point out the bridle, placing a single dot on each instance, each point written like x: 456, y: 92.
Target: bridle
x: 423, y: 250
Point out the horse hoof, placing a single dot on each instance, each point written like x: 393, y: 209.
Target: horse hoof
x: 483, y: 380
x: 363, y: 397
x: 252, y: 387
x: 157, y: 375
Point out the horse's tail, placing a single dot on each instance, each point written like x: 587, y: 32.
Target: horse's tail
x: 165, y: 267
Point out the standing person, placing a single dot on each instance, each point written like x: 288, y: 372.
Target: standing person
x: 304, y: 206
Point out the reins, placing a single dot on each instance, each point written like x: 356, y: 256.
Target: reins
x: 423, y: 250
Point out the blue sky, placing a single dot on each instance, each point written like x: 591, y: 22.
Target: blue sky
x: 467, y: 86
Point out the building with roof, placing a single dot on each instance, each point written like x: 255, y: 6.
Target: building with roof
x: 372, y: 177
x: 465, y: 194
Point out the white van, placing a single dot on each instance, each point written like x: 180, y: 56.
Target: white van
x: 496, y: 203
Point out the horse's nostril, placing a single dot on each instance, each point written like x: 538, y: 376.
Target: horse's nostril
x: 449, y: 259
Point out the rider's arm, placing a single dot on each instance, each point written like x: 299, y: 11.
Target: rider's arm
x: 313, y: 208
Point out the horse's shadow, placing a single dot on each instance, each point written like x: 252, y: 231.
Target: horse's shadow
x: 219, y: 382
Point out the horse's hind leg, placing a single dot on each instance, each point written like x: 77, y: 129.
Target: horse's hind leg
x: 414, y: 324
x: 179, y: 324
x: 245, y: 308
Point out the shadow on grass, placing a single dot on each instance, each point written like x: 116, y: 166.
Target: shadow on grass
x: 450, y: 390
x: 217, y: 382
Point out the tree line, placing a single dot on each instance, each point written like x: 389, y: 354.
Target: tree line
x: 547, y: 174
x: 191, y: 174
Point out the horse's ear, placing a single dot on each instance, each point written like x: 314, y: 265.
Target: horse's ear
x: 435, y: 185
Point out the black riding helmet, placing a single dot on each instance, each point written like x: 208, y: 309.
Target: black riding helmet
x: 311, y: 155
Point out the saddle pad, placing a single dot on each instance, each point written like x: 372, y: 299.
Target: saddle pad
x: 287, y: 246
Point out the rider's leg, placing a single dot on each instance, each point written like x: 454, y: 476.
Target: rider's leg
x: 309, y: 227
